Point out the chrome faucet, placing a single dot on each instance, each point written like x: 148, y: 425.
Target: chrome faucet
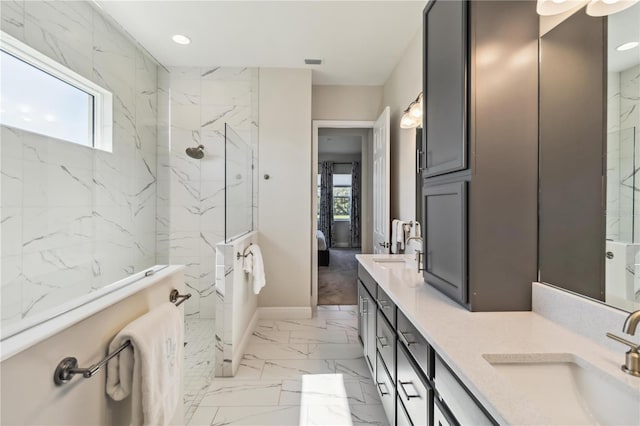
x: 418, y: 257
x: 631, y: 323
x: 632, y: 357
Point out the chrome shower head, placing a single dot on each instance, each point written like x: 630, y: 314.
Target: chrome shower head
x: 197, y: 152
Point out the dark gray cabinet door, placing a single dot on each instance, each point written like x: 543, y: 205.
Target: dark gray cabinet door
x: 445, y: 87
x: 446, y: 238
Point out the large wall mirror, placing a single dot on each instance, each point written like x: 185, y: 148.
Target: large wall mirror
x: 590, y: 157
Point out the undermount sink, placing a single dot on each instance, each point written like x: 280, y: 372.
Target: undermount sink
x: 568, y: 390
x: 389, y: 259
x: 395, y: 263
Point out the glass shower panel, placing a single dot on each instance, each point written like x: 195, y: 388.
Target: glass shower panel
x: 238, y: 184
x: 623, y: 207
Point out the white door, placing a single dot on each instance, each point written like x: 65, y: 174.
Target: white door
x: 381, y: 225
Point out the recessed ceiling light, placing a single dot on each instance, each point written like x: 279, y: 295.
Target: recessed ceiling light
x: 181, y: 39
x: 627, y: 46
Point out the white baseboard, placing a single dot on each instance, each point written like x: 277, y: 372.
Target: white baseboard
x: 242, y: 345
x: 295, y: 312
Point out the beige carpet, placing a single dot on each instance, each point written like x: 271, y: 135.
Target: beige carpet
x: 338, y: 282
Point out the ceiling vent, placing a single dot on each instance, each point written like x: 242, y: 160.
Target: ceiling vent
x: 313, y: 61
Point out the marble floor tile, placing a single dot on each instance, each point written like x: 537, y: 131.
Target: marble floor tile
x: 275, y: 351
x: 266, y: 324
x: 254, y: 416
x: 291, y: 369
x: 302, y: 324
x: 369, y: 414
x: 319, y: 336
x: 370, y: 392
x: 270, y: 336
x: 324, y: 415
x: 203, y: 416
x: 349, y: 308
x: 337, y: 315
x: 353, y: 368
x: 335, y: 351
x: 328, y: 307
x: 350, y: 326
x: 226, y: 393
x: 268, y: 389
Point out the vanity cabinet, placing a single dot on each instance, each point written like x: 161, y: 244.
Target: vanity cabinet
x: 415, y: 386
x: 480, y: 144
x: 458, y: 401
x: 367, y: 325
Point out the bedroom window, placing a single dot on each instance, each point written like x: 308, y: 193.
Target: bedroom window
x: 341, y: 197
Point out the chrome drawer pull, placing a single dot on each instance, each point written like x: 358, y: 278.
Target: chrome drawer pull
x: 405, y: 340
x: 381, y: 339
x: 402, y: 385
x: 384, y: 303
x: 380, y: 384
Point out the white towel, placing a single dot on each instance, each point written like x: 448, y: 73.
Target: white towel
x: 255, y: 267
x: 150, y: 370
x: 247, y: 260
x: 394, y: 236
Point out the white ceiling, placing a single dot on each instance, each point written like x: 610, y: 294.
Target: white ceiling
x: 623, y: 27
x: 359, y: 41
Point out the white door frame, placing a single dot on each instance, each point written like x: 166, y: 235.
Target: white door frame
x: 317, y: 125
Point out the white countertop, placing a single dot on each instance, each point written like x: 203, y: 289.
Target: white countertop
x: 461, y: 338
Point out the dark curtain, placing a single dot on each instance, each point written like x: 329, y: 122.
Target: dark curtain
x: 325, y: 221
x: 355, y: 204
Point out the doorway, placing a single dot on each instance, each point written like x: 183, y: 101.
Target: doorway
x: 342, y: 208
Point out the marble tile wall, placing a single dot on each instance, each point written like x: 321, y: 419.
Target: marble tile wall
x: 202, y: 101
x: 623, y: 155
x: 73, y: 218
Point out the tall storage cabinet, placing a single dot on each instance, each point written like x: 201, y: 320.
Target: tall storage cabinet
x: 479, y: 187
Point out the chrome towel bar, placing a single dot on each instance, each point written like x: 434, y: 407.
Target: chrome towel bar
x: 244, y: 254
x: 68, y: 367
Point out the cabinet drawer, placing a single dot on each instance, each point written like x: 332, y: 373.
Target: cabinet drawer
x: 386, y: 343
x: 414, y: 392
x: 386, y: 390
x: 367, y: 280
x: 416, y: 344
x: 402, y: 418
x: 387, y: 306
x: 456, y: 398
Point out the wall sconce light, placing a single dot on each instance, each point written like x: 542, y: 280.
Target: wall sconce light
x: 412, y: 116
x: 608, y: 7
x: 594, y: 7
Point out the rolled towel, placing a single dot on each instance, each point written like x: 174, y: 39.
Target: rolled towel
x: 150, y: 369
x: 394, y: 236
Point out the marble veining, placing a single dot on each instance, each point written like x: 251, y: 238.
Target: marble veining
x: 284, y: 383
x: 85, y: 218
x: 202, y: 100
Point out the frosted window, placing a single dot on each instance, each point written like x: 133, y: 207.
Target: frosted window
x: 38, y: 102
